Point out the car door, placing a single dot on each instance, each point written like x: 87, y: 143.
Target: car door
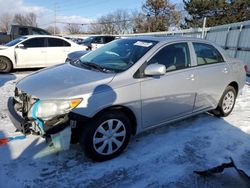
x: 213, y: 75
x: 172, y: 95
x: 32, y: 54
x: 58, y: 50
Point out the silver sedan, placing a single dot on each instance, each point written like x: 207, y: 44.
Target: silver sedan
x: 126, y: 87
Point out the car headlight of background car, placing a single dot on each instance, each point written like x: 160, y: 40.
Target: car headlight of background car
x: 48, y: 109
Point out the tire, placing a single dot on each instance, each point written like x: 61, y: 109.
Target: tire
x: 226, y: 103
x: 98, y: 143
x: 5, y: 65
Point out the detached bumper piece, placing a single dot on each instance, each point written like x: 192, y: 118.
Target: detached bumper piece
x: 19, y: 122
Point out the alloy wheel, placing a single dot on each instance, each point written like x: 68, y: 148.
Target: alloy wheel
x: 109, y: 137
x: 228, y: 102
x: 3, y: 65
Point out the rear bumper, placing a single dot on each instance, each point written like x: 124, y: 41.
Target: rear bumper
x: 19, y: 122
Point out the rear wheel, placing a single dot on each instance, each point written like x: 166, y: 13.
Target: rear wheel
x: 106, y: 136
x: 5, y: 64
x: 226, y: 103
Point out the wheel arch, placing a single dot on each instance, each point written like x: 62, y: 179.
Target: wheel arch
x: 127, y: 111
x: 235, y: 86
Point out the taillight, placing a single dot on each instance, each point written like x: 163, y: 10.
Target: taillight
x: 245, y: 67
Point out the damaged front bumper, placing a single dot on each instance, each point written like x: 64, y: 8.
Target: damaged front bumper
x: 28, y: 126
x: 18, y: 121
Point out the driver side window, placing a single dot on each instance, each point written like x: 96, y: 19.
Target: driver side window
x: 174, y: 57
x: 34, y: 43
x: 98, y: 40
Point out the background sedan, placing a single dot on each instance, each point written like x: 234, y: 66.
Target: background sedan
x: 35, y: 51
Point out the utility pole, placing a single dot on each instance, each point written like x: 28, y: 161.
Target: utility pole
x: 55, y: 18
x: 148, y: 22
x: 204, y: 27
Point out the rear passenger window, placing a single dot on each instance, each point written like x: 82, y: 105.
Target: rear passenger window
x: 207, y: 54
x: 174, y: 57
x: 54, y: 42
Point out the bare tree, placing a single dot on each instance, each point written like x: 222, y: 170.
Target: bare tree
x: 73, y: 28
x: 25, y: 19
x: 122, y: 21
x: 95, y: 28
x: 5, y: 22
x: 51, y: 29
x: 117, y: 22
x: 139, y: 23
x: 108, y: 24
x: 31, y: 19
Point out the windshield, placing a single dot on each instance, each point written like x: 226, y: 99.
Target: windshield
x: 118, y: 55
x: 87, y: 40
x: 16, y: 41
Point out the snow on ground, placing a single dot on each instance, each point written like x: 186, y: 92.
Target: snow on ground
x: 163, y: 157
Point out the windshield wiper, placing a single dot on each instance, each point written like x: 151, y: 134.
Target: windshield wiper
x: 93, y: 65
x: 97, y: 67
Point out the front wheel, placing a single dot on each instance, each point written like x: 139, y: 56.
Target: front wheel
x: 5, y: 65
x: 106, y: 136
x: 226, y: 103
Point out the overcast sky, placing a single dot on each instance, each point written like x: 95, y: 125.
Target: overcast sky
x: 75, y: 11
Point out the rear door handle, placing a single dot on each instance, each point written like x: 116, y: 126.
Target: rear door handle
x: 191, y: 77
x: 225, y: 70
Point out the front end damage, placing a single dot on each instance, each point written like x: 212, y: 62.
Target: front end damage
x: 23, y: 109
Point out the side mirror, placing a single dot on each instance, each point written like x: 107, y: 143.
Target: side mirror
x: 155, y: 70
x: 20, y: 46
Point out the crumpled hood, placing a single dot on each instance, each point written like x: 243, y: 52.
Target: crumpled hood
x: 63, y: 81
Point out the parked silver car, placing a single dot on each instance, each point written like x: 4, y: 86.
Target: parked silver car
x: 126, y: 87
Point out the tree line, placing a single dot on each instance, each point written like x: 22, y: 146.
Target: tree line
x: 155, y: 15
x: 6, y: 19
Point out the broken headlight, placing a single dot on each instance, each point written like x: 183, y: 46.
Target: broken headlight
x: 47, y: 109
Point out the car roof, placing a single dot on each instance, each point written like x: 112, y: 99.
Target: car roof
x: 48, y: 36
x: 101, y: 36
x: 168, y: 38
x: 152, y: 38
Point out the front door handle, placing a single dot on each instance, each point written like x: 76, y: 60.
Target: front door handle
x: 225, y: 70
x: 191, y: 77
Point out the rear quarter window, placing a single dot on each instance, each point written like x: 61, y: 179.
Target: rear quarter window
x: 207, y: 54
